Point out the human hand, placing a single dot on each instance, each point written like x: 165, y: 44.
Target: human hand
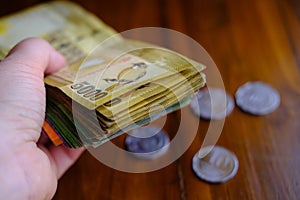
x: 29, y: 169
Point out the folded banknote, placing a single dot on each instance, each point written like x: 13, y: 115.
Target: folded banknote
x: 106, y: 89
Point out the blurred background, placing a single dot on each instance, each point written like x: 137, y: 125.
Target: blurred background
x: 249, y: 40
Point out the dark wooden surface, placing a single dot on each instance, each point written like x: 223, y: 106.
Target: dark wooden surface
x: 249, y: 40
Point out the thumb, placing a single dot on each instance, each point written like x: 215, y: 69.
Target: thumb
x: 38, y: 54
x: 22, y: 99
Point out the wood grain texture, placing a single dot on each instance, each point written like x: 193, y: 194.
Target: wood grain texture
x: 248, y: 40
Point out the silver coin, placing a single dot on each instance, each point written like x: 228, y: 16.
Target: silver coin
x: 215, y: 164
x: 147, y: 142
x: 212, y: 103
x: 257, y: 98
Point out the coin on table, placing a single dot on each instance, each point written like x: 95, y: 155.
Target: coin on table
x: 215, y: 164
x: 147, y: 142
x: 257, y: 98
x: 212, y: 103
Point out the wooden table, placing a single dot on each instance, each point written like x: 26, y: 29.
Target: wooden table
x: 248, y: 40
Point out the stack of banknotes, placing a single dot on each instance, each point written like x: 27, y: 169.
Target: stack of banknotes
x: 120, y: 85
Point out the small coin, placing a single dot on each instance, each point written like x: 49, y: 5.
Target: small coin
x: 147, y: 142
x: 257, y: 98
x: 212, y: 103
x: 215, y: 164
